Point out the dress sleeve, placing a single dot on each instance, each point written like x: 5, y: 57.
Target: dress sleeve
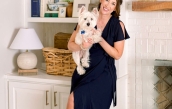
x: 120, y: 35
x: 76, y: 26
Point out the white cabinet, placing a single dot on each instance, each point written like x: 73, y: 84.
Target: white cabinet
x: 37, y: 96
x: 39, y: 91
x: 29, y: 96
x: 61, y: 94
x: 44, y: 91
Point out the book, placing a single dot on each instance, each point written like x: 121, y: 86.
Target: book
x: 43, y: 7
x: 35, y: 8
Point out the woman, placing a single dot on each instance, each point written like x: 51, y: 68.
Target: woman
x: 97, y: 87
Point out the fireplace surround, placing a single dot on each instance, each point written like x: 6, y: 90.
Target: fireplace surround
x: 156, y: 84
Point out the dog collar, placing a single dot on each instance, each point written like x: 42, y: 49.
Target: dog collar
x: 82, y: 32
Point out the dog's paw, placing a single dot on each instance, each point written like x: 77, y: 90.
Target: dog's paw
x: 80, y: 70
x: 98, y: 32
x: 97, y: 39
x: 85, y: 63
x: 97, y: 36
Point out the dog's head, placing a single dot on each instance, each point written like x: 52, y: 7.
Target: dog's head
x: 87, y: 20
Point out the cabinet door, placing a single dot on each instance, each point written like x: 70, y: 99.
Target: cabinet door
x: 61, y: 94
x: 29, y: 96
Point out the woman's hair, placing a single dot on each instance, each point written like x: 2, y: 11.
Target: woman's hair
x: 117, y: 12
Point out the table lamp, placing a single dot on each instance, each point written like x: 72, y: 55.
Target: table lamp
x: 26, y: 39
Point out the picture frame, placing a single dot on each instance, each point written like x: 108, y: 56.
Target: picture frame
x: 62, y: 12
x: 56, y: 1
x: 91, y: 6
x: 77, y: 4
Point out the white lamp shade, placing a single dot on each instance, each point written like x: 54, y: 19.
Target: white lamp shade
x: 26, y: 39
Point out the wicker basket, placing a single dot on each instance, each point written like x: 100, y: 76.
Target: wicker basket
x: 58, y: 61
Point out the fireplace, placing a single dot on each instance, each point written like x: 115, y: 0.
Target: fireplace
x: 156, y: 84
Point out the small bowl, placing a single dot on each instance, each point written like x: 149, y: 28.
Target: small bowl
x: 52, y: 7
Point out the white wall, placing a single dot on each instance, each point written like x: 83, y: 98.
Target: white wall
x: 151, y: 38
x: 11, y: 19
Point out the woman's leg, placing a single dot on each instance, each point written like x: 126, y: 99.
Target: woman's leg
x: 70, y: 104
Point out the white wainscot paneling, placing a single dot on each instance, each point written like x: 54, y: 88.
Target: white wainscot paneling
x: 121, y: 93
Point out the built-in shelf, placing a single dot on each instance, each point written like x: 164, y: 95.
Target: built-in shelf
x: 151, y: 5
x: 52, y: 20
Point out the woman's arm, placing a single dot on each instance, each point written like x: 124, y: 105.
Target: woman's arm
x: 71, y: 43
x: 75, y: 47
x: 117, y: 50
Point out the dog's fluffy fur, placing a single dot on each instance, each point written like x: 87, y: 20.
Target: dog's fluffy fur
x: 87, y: 21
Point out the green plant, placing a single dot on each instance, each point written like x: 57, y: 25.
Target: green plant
x: 69, y: 1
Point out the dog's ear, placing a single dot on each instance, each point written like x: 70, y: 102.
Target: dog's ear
x: 95, y: 12
x: 82, y: 10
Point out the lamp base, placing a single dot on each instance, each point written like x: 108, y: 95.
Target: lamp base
x: 24, y: 71
x: 27, y: 60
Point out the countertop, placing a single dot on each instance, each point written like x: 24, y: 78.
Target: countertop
x: 41, y: 77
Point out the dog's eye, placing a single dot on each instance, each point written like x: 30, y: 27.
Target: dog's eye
x: 85, y: 18
x: 91, y: 18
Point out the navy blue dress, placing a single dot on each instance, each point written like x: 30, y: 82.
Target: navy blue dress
x: 97, y: 87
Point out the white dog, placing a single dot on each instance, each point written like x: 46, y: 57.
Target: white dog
x: 87, y: 22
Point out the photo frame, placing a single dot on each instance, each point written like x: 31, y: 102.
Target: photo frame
x: 55, y: 1
x: 62, y: 12
x: 77, y: 4
x: 91, y: 6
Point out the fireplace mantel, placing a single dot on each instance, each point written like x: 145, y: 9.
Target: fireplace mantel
x: 151, y: 5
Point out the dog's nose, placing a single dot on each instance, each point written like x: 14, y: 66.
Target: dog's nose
x: 88, y: 24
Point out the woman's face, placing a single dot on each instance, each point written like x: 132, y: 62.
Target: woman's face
x: 107, y: 6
